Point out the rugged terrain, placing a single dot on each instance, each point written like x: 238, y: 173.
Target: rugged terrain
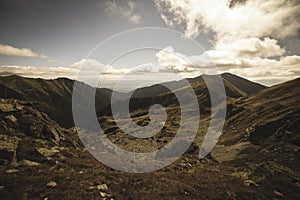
x: 257, y: 156
x: 53, y: 97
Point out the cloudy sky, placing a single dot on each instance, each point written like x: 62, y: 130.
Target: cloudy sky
x: 256, y: 39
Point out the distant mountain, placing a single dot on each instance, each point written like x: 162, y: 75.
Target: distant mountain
x: 54, y: 97
x: 235, y: 86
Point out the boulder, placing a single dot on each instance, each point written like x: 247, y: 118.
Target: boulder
x: 8, y: 146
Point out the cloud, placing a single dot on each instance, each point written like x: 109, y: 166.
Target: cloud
x: 38, y: 72
x: 13, y: 51
x: 246, y: 34
x: 9, y: 50
x: 264, y: 70
x: 126, y: 11
x: 135, y: 19
x: 255, y: 18
x: 94, y: 66
x: 177, y: 62
x: 168, y: 62
x: 252, y: 28
x: 250, y: 47
x: 245, y: 64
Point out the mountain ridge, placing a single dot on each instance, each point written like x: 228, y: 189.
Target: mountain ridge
x: 258, y: 149
x: 55, y: 95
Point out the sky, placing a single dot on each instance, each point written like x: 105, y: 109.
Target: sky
x: 255, y: 39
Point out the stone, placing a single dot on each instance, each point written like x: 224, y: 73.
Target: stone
x: 5, y: 107
x: 250, y: 183
x: 30, y: 163
x: 52, y: 184
x: 277, y: 193
x: 11, y: 120
x: 8, y: 146
x: 102, y: 187
x: 10, y: 171
x: 48, y: 152
x: 104, y: 195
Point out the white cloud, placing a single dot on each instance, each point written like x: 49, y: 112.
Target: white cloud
x: 251, y: 47
x: 38, y: 72
x: 253, y: 67
x: 177, y: 62
x: 125, y: 11
x: 94, y: 66
x: 9, y: 50
x: 168, y: 62
x: 255, y: 18
x: 246, y: 35
x: 167, y: 57
x: 135, y: 19
x: 13, y: 51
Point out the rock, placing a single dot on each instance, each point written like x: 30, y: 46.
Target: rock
x: 277, y: 193
x: 104, y: 195
x: 61, y: 170
x: 11, y: 121
x: 250, y: 129
x: 263, y: 131
x: 19, y: 107
x: 102, y: 187
x: 52, y: 184
x: 10, y: 171
x: 5, y: 107
x: 27, y: 151
x: 46, y: 152
x: 30, y: 163
x: 8, y: 146
x: 51, y: 131
x: 250, y: 183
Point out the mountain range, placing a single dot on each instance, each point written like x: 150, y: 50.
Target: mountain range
x: 257, y: 155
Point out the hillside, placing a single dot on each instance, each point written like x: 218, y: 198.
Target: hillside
x: 41, y: 160
x: 261, y: 138
x: 235, y: 86
x: 256, y: 157
x: 53, y: 97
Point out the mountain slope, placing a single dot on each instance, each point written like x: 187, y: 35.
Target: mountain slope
x: 261, y: 138
x: 53, y: 97
x: 257, y: 156
x: 40, y: 160
x: 235, y: 86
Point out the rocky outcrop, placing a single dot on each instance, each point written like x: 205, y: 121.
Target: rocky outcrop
x: 30, y: 135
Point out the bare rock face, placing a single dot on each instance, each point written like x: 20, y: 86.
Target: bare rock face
x: 25, y: 131
x: 8, y: 149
